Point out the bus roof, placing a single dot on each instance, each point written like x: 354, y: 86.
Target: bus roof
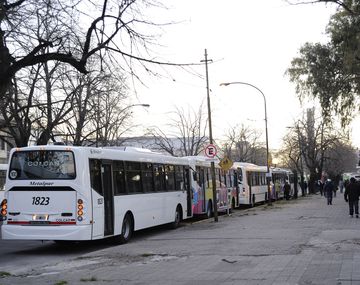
x: 111, y: 153
x: 249, y: 166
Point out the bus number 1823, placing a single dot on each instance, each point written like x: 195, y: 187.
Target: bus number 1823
x: 42, y: 201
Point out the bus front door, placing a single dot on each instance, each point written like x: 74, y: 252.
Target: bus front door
x: 108, y: 199
x: 189, y: 193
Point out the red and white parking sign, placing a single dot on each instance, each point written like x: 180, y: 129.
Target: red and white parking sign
x: 210, y: 151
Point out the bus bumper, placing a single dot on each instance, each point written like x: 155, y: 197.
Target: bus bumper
x: 17, y: 232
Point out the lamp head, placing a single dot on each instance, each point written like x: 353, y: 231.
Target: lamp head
x: 225, y: 84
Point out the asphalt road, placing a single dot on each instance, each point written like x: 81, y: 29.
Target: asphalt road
x: 301, y: 241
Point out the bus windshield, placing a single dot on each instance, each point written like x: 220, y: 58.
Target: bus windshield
x: 42, y: 164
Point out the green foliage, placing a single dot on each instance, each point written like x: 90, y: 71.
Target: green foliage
x: 62, y: 282
x: 331, y: 72
x: 4, y: 274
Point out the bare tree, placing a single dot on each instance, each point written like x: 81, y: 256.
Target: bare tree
x: 314, y: 144
x: 38, y: 31
x: 18, y: 108
x: 45, y: 33
x: 243, y: 144
x: 187, y: 136
x: 55, y: 105
x: 99, y: 113
x: 346, y: 5
x: 112, y: 114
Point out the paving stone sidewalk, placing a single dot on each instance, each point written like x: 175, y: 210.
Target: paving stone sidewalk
x: 303, y: 241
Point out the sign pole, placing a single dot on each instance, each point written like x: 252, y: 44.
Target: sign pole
x: 211, y: 140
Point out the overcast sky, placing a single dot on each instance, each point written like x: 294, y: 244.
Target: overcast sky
x: 248, y: 41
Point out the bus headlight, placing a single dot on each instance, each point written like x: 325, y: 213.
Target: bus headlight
x: 4, y: 208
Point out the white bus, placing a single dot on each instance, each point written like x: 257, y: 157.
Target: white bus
x: 279, y: 176
x: 3, y: 169
x: 252, y: 183
x: 66, y: 193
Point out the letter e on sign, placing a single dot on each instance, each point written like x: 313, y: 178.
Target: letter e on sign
x: 210, y: 151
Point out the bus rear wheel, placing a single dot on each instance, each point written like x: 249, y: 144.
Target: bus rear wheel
x: 126, y: 229
x: 178, y: 216
x: 209, y: 211
x: 252, y: 205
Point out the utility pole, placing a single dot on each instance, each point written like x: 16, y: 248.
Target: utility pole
x: 211, y: 137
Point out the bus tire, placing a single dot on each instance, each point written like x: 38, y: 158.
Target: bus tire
x: 178, y: 218
x: 209, y: 210
x: 126, y: 229
x: 252, y: 201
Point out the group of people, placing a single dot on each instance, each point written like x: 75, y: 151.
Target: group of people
x: 351, y: 194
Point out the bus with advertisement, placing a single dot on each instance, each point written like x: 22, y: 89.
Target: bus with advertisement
x: 64, y: 193
x: 203, y: 202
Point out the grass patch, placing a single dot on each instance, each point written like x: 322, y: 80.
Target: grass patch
x: 61, y: 282
x: 4, y: 274
x: 147, y: 254
x: 88, y: 279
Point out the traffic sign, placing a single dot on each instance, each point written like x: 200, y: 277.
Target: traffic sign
x: 210, y: 151
x: 226, y: 163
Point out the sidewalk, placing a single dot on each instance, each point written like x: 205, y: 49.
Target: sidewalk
x: 301, y: 241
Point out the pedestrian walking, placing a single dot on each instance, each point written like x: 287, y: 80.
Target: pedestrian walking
x: 328, y: 191
x: 305, y: 187
x: 351, y: 195
x: 287, y: 189
x: 320, y: 186
x: 341, y: 185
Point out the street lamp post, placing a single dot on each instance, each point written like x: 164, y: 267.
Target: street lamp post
x: 268, y: 175
x: 134, y: 105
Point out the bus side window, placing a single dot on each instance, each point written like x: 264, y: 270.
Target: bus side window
x: 180, y: 178
x: 119, y: 178
x: 170, y: 177
x: 147, y: 174
x: 133, y: 177
x: 234, y: 179
x: 195, y: 178
x: 159, y: 177
x: 239, y: 175
x: 95, y: 175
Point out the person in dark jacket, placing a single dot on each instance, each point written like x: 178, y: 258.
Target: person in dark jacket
x: 319, y: 186
x: 328, y: 191
x: 351, y: 195
x: 287, y: 189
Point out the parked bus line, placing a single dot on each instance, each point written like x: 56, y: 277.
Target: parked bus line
x: 66, y: 193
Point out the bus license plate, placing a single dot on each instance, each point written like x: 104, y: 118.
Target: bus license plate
x: 39, y: 222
